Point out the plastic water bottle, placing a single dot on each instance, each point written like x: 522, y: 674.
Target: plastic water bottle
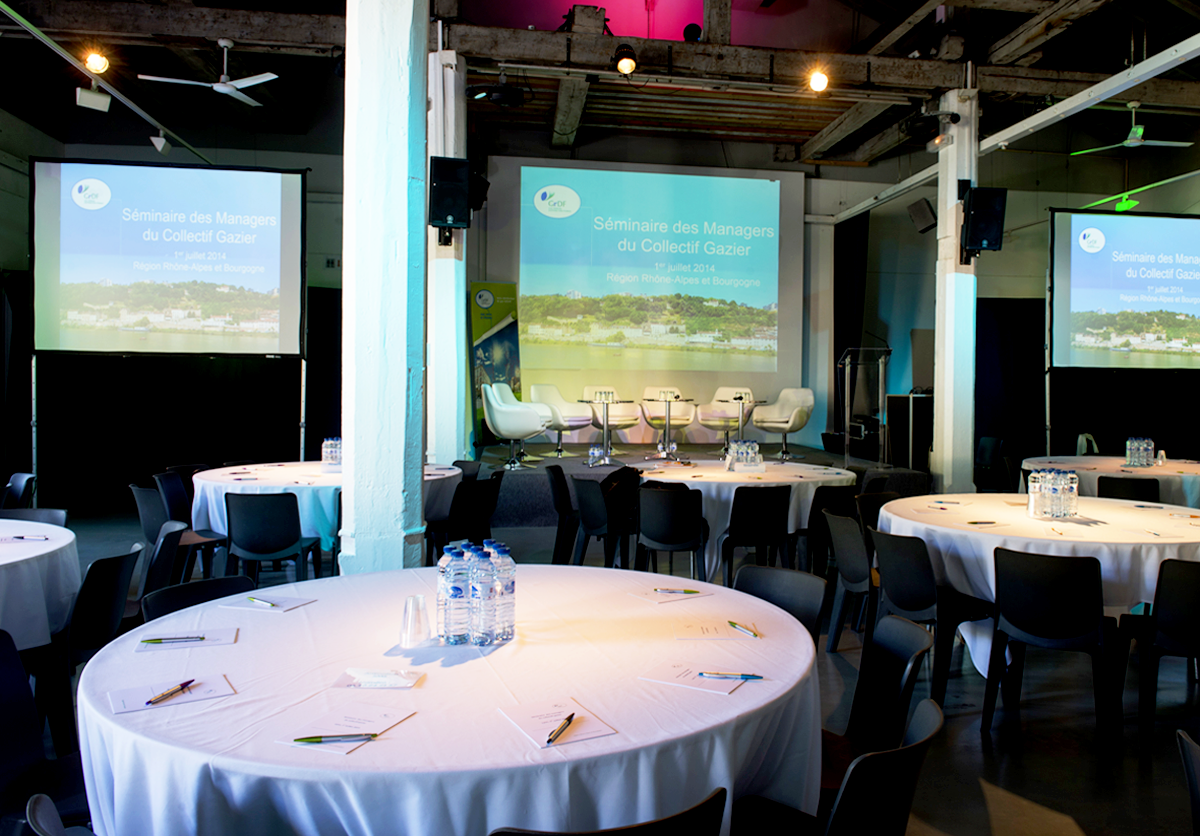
x: 506, y: 588
x: 483, y: 598
x: 1052, y: 495
x: 454, y: 620
x: 1072, y: 493
x: 1034, y: 494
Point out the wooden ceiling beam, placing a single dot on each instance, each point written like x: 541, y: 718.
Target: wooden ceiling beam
x: 852, y: 120
x: 1040, y: 28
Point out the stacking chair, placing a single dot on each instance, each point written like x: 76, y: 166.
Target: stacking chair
x: 470, y: 470
x: 564, y: 415
x: 163, y: 568
x: 1056, y: 603
x: 655, y: 411
x: 800, y: 593
x: 875, y: 797
x: 18, y: 493
x: 511, y: 421
x: 876, y: 484
x: 470, y: 518
x: 50, y: 516
x: 186, y: 472
x: 179, y: 508
x: 568, y: 517
x: 723, y: 417
x: 174, y: 598
x: 789, y: 414
x: 854, y: 576
x: 759, y: 518
x: 266, y: 526
x: 1190, y: 752
x: 1118, y: 487
x: 907, y: 588
x: 704, y: 819
x: 672, y: 521
x: 1171, y: 629
x: 869, y: 506
x: 593, y: 522
x: 44, y: 820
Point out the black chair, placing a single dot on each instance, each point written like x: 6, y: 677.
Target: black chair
x: 1171, y: 629
x: 876, y: 484
x: 672, y: 521
x: 18, y: 493
x: 869, y: 505
x: 1118, y: 487
x: 758, y: 519
x: 1190, y: 752
x: 593, y: 522
x: 875, y: 797
x: 704, y: 819
x: 165, y: 566
x: 908, y: 588
x: 267, y: 527
x: 50, y: 516
x: 469, y: 518
x: 991, y: 474
x: 1056, y: 603
x: 44, y: 820
x: 186, y: 472
x: 800, y: 593
x: 568, y: 517
x: 854, y: 577
x: 174, y: 598
x: 470, y: 470
x: 836, y: 498
x: 179, y: 508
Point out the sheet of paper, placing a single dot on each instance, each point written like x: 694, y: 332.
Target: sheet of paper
x: 368, y: 678
x: 934, y: 509
x: 282, y: 603
x: 984, y: 525
x: 539, y: 720
x: 353, y: 718
x: 667, y: 597
x: 206, y: 687
x: 710, y: 630
x: 221, y: 635
x: 688, y: 676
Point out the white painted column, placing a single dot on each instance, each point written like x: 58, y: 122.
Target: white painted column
x: 383, y: 284
x: 953, y: 456
x: 446, y: 380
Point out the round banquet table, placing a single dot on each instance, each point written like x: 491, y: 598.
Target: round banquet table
x: 458, y: 765
x: 962, y: 531
x: 316, y: 490
x: 39, y: 580
x: 718, y: 486
x: 1178, y: 479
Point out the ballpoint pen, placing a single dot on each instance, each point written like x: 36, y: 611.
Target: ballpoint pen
x: 562, y: 727
x: 336, y: 738
x: 173, y: 640
x: 677, y: 591
x: 721, y: 675
x: 261, y: 602
x: 170, y: 692
x: 30, y: 537
x: 745, y: 630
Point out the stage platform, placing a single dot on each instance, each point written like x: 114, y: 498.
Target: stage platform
x: 525, y: 495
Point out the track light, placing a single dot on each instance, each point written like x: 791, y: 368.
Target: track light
x: 95, y: 99
x: 501, y: 93
x: 96, y: 63
x: 818, y: 81
x: 626, y: 59
x: 161, y: 144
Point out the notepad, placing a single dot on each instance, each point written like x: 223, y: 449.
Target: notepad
x: 282, y: 603
x: 221, y: 635
x: 353, y: 718
x: 539, y: 720
x: 206, y: 687
x: 668, y: 597
x: 688, y: 676
x: 709, y: 630
x: 367, y: 678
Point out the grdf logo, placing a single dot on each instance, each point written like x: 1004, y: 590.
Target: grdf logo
x: 557, y: 201
x: 1091, y: 240
x: 91, y: 194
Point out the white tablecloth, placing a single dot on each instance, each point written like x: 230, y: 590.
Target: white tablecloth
x: 38, y: 581
x: 316, y: 490
x: 458, y: 766
x: 1178, y: 479
x: 1129, y: 541
x: 718, y: 486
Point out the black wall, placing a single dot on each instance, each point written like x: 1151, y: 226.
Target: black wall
x: 1010, y: 363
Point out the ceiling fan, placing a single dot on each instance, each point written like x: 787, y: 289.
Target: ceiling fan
x: 225, y: 85
x: 1135, y: 139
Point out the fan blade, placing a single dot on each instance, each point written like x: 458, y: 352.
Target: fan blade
x: 230, y: 90
x: 249, y: 81
x: 1166, y: 143
x: 1101, y: 148
x: 173, y: 80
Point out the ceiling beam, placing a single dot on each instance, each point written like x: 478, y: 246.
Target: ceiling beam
x: 887, y: 41
x: 881, y: 143
x: 1040, y: 28
x: 1060, y: 85
x: 852, y: 120
x: 568, y: 111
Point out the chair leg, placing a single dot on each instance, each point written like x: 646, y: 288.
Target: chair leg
x: 610, y: 550
x: 995, y: 674
x: 581, y: 542
x: 1148, y: 688
x: 786, y: 455
x: 1010, y: 685
x: 944, y: 631
x: 206, y: 561
x: 302, y: 566
x: 568, y: 530
x: 837, y: 620
x: 699, y: 570
x: 727, y: 548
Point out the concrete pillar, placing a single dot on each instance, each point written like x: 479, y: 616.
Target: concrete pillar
x: 383, y: 284
x: 953, y: 456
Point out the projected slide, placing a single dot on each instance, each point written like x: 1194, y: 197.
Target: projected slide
x: 642, y: 270
x: 1127, y: 291
x: 132, y: 258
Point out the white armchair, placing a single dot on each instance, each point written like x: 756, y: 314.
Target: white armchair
x: 512, y: 421
x: 564, y: 415
x: 723, y: 417
x: 505, y: 393
x: 655, y: 411
x: 787, y: 415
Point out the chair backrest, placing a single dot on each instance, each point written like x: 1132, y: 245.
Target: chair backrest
x: 174, y: 497
x: 18, y: 493
x: 186, y: 472
x: 590, y: 393
x: 987, y: 453
x: 22, y: 732
x: 1082, y: 442
x: 1190, y: 752
x: 1059, y: 600
x: 796, y: 399
x: 100, y: 604
x: 620, y: 489
x: 504, y: 394
x: 704, y: 819
x: 906, y: 574
x: 165, y: 566
x: 876, y: 484
x: 151, y: 511
x: 852, y: 562
x: 671, y: 520
x: 179, y: 597
x: 593, y: 513
x: 262, y: 523
x: 1175, y: 612
x: 730, y: 393
x: 559, y: 491
x: 869, y: 505
x: 886, y: 678
x: 44, y: 820
x: 877, y: 791
x: 800, y: 593
x: 470, y: 470
x: 1119, y: 487
x: 760, y: 512
x: 50, y: 516
x: 547, y: 393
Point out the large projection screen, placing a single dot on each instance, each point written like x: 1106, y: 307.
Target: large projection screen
x: 640, y: 275
x: 1125, y: 290
x: 133, y: 258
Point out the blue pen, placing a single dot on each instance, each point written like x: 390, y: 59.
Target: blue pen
x: 720, y: 675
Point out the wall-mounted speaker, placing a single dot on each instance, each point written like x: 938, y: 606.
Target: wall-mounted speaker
x: 449, y: 192
x: 923, y: 216
x: 983, y: 219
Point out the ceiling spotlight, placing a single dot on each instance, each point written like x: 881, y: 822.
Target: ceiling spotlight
x: 95, y: 62
x: 94, y: 99
x: 160, y: 143
x: 626, y: 59
x: 818, y: 81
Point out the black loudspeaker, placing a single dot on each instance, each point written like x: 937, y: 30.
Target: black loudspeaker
x: 449, y: 192
x: 923, y: 216
x: 983, y: 219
